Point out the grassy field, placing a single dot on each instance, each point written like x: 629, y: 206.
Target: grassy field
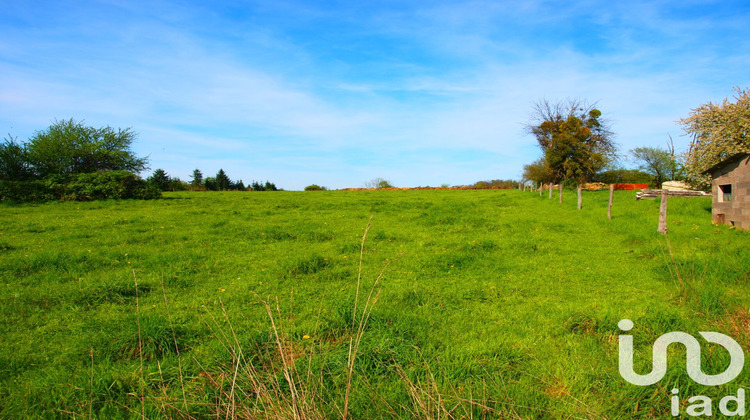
x: 471, y: 304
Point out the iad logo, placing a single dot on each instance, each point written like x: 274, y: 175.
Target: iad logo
x: 702, y: 404
x: 693, y: 363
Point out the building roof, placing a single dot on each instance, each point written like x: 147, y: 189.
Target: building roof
x: 731, y: 159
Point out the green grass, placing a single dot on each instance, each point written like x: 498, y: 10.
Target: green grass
x: 498, y: 303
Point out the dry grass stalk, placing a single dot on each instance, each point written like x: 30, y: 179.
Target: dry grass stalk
x: 361, y: 321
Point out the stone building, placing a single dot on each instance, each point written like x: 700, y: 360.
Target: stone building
x: 731, y: 191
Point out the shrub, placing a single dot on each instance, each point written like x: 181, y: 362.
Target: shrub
x: 25, y: 191
x: 378, y: 183
x: 315, y: 187
x: 176, y: 184
x: 102, y: 185
x: 495, y: 183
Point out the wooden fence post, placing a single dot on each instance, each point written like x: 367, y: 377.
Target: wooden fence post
x: 609, y: 206
x: 663, y: 213
x: 580, y: 197
x: 550, y: 190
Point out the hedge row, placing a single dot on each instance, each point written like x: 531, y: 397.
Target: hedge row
x: 80, y: 187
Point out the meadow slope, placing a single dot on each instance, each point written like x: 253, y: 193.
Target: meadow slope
x: 494, y: 303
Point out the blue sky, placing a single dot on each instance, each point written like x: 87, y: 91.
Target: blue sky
x: 338, y: 93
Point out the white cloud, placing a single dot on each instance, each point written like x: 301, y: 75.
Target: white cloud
x: 402, y: 95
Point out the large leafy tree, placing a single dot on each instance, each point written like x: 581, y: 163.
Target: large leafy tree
x: 661, y: 164
x: 718, y: 131
x: 577, y: 142
x: 70, y: 147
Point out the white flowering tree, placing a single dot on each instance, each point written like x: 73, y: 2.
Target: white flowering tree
x: 718, y: 131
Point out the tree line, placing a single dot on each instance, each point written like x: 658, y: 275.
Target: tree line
x: 72, y: 161
x: 577, y: 145
x: 219, y: 182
